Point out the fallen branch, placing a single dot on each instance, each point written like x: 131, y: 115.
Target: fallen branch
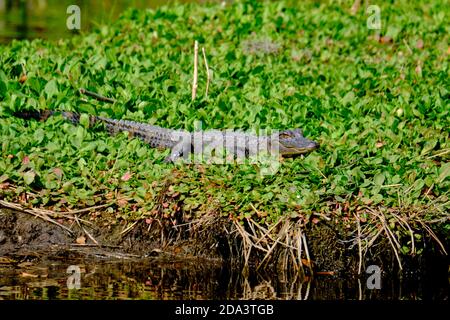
x: 106, y: 254
x: 90, y: 208
x: 95, y: 245
x: 49, y: 215
x: 96, y: 96
x: 43, y: 214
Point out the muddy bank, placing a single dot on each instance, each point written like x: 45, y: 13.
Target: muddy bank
x: 22, y: 233
x: 216, y: 240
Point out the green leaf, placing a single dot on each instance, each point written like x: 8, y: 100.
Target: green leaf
x: 84, y: 120
x: 29, y: 176
x: 348, y: 98
x: 377, y: 198
x: 418, y: 184
x: 3, y: 88
x: 405, y: 249
x: 39, y: 135
x: 444, y: 172
x: 51, y: 88
x: 379, y: 179
x: 429, y: 145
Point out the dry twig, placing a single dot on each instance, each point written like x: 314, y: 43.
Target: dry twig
x: 40, y: 213
x: 208, y: 74
x: 96, y: 96
x: 359, y: 242
x: 195, y: 80
x: 355, y: 7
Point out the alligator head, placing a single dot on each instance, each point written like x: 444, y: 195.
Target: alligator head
x: 292, y: 143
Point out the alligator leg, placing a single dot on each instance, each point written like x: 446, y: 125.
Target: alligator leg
x: 173, y: 156
x: 179, y: 151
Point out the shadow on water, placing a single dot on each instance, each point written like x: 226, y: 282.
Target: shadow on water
x: 98, y: 279
x: 30, y: 19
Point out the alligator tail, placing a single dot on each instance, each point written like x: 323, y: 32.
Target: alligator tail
x: 37, y: 115
x: 112, y: 125
x: 45, y: 114
x: 154, y: 135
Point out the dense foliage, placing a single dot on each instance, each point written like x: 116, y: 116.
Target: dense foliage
x: 378, y: 106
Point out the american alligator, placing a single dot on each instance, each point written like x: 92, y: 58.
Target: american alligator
x: 183, y: 143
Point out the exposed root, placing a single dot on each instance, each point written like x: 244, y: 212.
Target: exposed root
x: 308, y: 258
x: 284, y: 241
x: 85, y: 231
x: 405, y: 225
x: 359, y: 243
x: 128, y: 228
x: 283, y: 244
x: 433, y: 235
x: 391, y: 237
x: 411, y: 222
x: 89, y: 208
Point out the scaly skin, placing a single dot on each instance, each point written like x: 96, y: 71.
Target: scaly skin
x: 182, y: 143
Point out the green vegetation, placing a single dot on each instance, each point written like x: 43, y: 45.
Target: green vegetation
x: 378, y: 107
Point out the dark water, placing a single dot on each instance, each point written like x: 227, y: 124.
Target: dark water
x: 102, y: 279
x: 29, y: 19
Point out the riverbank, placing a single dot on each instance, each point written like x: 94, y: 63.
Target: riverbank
x: 216, y: 241
x: 376, y: 190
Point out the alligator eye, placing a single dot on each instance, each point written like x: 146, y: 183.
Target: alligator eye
x: 284, y: 136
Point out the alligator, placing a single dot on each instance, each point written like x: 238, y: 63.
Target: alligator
x: 286, y: 143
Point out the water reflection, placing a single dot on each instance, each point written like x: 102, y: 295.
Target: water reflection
x: 173, y: 281
x: 29, y: 19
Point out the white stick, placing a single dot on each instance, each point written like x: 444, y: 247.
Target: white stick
x: 207, y: 73
x: 195, y: 81
x: 355, y: 7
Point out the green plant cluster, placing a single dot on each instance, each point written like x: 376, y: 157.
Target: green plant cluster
x: 377, y: 101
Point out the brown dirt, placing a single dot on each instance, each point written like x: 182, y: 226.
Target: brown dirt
x: 22, y: 234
